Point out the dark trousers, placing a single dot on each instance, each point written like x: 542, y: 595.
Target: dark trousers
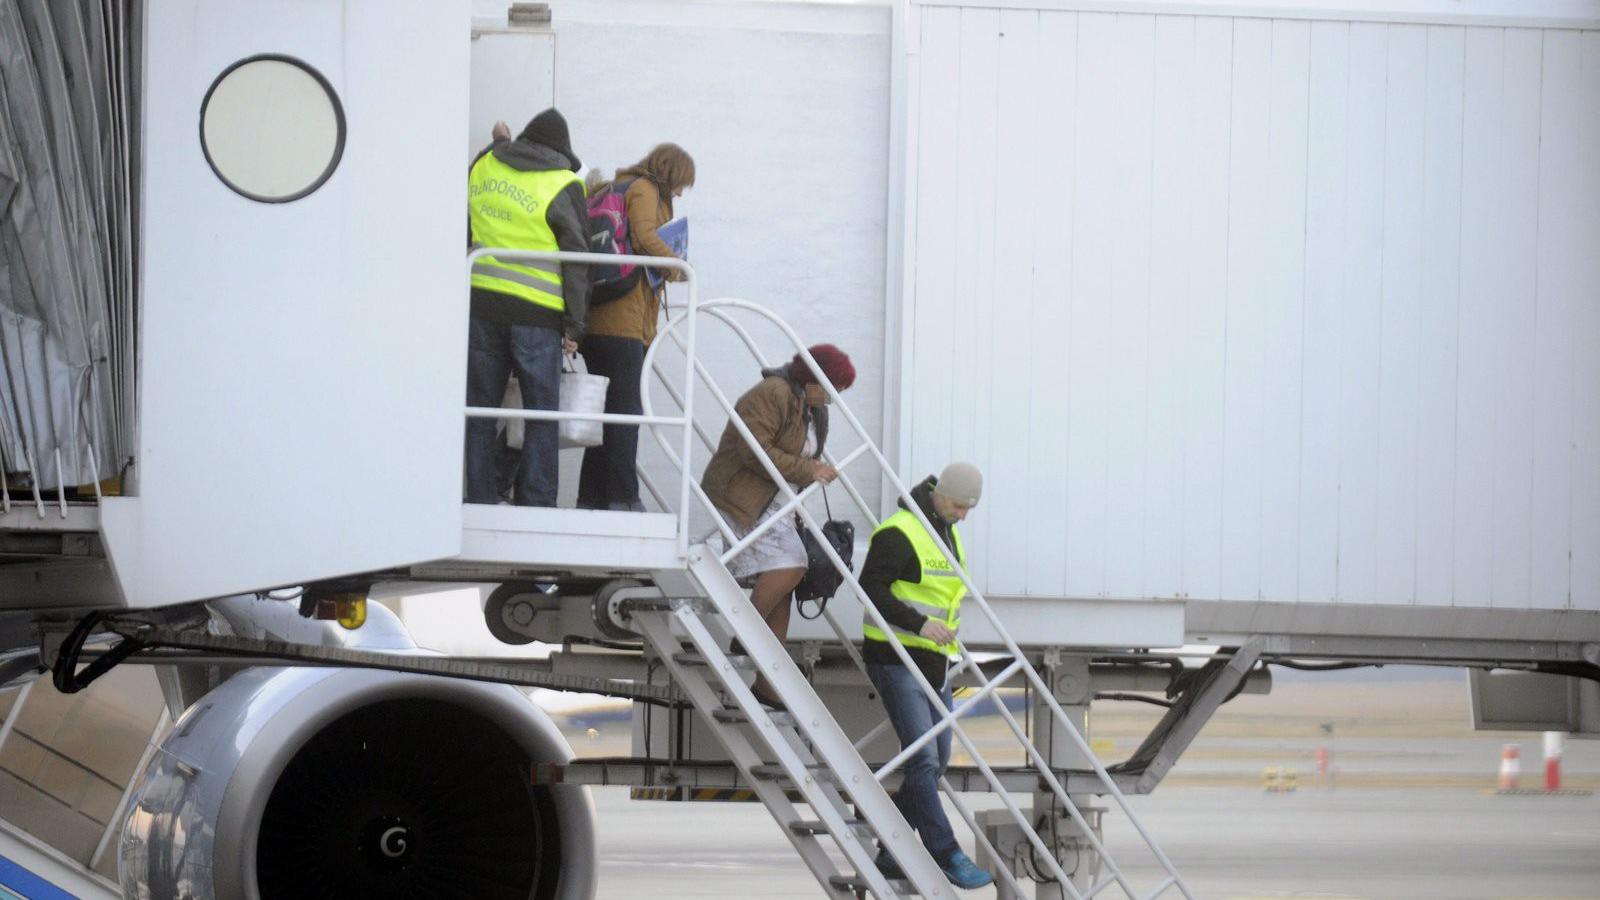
x: 494, y: 352
x: 608, y: 479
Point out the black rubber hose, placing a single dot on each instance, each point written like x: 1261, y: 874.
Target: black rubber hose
x: 65, y: 675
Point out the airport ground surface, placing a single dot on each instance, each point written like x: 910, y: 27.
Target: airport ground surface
x: 1235, y: 843
x: 1413, y: 814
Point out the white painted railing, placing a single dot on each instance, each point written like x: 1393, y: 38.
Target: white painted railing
x: 794, y: 504
x: 681, y: 421
x: 681, y: 330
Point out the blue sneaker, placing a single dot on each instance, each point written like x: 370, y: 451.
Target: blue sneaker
x: 965, y: 874
x: 888, y: 866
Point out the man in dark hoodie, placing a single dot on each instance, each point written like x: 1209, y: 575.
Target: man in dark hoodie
x: 523, y: 194
x: 918, y: 591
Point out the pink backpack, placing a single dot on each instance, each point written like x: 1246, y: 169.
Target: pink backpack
x: 608, y: 233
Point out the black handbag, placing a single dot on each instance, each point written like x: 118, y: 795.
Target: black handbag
x: 822, y: 580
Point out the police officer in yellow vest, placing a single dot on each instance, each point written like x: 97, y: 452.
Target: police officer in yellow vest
x: 916, y: 588
x: 523, y: 194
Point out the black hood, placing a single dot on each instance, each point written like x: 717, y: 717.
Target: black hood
x: 923, y: 494
x: 545, y: 132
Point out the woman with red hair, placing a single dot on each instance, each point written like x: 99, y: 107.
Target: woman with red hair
x: 787, y: 413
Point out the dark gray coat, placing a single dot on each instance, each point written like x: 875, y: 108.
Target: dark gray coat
x: 568, y: 217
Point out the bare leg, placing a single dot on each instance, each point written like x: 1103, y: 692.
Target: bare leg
x: 771, y: 600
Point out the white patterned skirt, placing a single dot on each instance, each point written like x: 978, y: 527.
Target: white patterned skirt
x: 778, y: 547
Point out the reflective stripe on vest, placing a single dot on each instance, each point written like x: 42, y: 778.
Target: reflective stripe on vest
x: 507, y: 209
x: 937, y: 596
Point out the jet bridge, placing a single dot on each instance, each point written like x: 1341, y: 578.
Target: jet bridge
x: 297, y: 407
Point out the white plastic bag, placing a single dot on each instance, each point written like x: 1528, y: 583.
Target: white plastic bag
x: 580, y: 392
x: 513, y: 428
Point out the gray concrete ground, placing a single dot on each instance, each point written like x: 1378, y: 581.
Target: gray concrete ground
x: 1229, y: 842
x: 1413, y: 815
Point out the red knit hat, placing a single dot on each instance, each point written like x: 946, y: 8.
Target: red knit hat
x: 835, y: 364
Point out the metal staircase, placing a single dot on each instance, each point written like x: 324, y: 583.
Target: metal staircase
x: 806, y: 747
x: 802, y: 750
x: 697, y: 609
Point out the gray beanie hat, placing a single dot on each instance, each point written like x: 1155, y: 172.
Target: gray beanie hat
x: 961, y: 482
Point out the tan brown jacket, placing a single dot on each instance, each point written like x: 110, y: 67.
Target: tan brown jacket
x: 633, y: 315
x: 735, y: 479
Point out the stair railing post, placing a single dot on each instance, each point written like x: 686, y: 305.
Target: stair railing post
x: 686, y: 470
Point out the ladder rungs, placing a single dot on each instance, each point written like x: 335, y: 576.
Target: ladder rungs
x: 690, y: 658
x: 817, y: 826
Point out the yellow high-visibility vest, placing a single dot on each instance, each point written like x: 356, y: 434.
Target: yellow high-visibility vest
x: 507, y: 208
x: 937, y: 596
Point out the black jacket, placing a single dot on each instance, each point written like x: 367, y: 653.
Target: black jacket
x: 891, y: 558
x: 568, y: 217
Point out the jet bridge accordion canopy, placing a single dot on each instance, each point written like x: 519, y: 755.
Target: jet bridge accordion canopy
x: 68, y: 89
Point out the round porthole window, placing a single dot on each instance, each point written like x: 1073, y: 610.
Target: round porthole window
x: 272, y: 128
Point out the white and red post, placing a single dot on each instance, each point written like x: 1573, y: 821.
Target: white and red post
x: 1554, y: 742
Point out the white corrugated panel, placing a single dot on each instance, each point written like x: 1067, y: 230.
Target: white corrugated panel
x: 1261, y: 305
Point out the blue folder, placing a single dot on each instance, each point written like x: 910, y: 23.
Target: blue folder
x: 676, y: 236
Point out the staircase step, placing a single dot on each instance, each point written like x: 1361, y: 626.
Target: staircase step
x: 699, y: 605
x: 690, y: 658
x: 818, y: 827
x: 731, y: 715
x: 857, y: 884
x: 775, y: 772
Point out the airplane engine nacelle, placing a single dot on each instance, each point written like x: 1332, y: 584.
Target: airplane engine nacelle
x: 313, y: 782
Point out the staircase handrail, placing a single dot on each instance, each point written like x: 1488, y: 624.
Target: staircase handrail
x: 796, y: 501
x: 1016, y: 812
x: 691, y: 283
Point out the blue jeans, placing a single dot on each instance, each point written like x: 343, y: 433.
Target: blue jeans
x: 912, y: 716
x: 494, y: 352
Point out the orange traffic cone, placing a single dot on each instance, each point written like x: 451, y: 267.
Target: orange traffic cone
x: 1510, y: 766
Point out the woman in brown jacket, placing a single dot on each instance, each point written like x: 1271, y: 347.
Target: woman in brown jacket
x: 787, y: 413
x: 619, y: 330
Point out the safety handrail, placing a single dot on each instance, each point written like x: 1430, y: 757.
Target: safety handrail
x: 691, y: 283
x: 812, y: 526
x: 950, y: 719
x: 839, y: 631
x: 1017, y: 814
x: 947, y: 722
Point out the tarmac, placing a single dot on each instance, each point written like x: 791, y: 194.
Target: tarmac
x: 1409, y: 810
x: 1228, y: 842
